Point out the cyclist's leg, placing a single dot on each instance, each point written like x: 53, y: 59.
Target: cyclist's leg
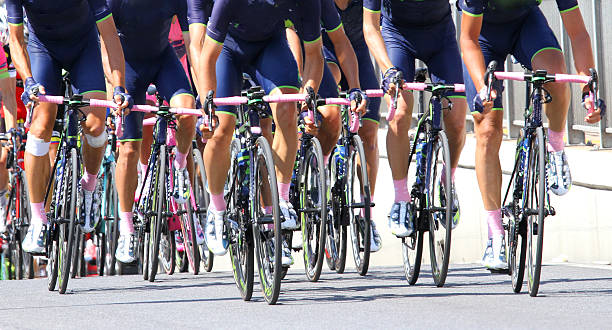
x: 495, y: 42
x: 445, y: 66
x: 538, y: 48
x: 277, y: 79
x: 402, y: 55
x: 137, y: 79
x: 47, y: 71
x: 370, y: 121
x: 217, y: 152
x: 329, y: 131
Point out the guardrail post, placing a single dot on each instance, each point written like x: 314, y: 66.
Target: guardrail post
x: 605, y: 138
x: 509, y: 104
x: 574, y: 136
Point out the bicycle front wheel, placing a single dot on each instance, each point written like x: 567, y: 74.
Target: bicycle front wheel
x: 240, y: 232
x: 359, y: 206
x: 537, y: 193
x: 313, y: 204
x: 438, y: 183
x: 160, y: 205
x: 111, y: 219
x: 337, y: 216
x: 68, y: 231
x: 266, y: 227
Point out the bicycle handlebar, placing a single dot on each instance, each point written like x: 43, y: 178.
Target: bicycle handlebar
x: 421, y: 87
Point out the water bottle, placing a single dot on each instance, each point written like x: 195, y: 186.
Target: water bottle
x: 340, y: 158
x: 244, y: 169
x: 421, y: 156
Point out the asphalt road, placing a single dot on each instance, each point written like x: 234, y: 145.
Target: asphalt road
x: 571, y: 297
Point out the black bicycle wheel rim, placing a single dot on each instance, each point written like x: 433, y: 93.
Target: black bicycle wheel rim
x: 189, y: 237
x: 202, y: 202
x: 439, y: 233
x: 111, y: 218
x: 269, y: 270
x: 160, y: 208
x: 24, y: 221
x: 537, y: 196
x: 313, y: 198
x: 333, y: 218
x: 241, y: 247
x: 412, y: 254
x: 361, y: 230
x: 68, y: 230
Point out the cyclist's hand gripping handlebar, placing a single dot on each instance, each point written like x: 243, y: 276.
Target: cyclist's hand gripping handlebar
x: 209, y: 109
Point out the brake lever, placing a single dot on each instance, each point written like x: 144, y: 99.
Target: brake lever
x: 594, y: 89
x: 490, y: 77
x: 311, y: 103
x: 209, y: 106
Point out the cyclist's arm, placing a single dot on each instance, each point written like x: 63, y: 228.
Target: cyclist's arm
x: 313, y: 64
x: 373, y: 37
x: 342, y: 4
x: 296, y: 48
x: 580, y: 40
x: 346, y: 56
x: 472, y: 53
x: 313, y: 45
x: 112, y: 52
x: 206, y: 65
x: 17, y: 44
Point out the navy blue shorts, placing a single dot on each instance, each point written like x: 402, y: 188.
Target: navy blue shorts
x: 436, y: 45
x: 81, y: 58
x: 269, y: 62
x: 367, y: 77
x: 165, y: 72
x: 523, y: 38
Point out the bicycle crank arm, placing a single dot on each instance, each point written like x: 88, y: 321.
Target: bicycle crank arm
x: 265, y: 220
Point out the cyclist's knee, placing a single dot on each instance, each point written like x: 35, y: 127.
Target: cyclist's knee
x: 489, y: 135
x: 286, y: 115
x: 96, y: 141
x: 369, y: 135
x: 223, y: 133
x: 129, y: 150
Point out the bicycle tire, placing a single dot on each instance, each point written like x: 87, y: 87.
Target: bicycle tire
x: 111, y: 219
x: 440, y: 229
x: 536, y: 179
x: 145, y: 256
x: 160, y: 208
x: 336, y: 246
x: 23, y: 223
x: 189, y: 236
x: 313, y: 223
x: 202, y: 200
x: 167, y: 251
x: 517, y: 266
x: 361, y: 230
x: 241, y: 247
x: 53, y: 257
x: 68, y: 231
x: 269, y: 270
x: 100, y: 244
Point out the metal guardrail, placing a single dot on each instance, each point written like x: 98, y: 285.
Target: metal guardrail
x: 601, y: 40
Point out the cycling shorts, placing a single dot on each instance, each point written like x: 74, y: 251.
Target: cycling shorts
x: 367, y: 77
x: 523, y: 38
x: 269, y: 62
x: 435, y: 44
x: 3, y: 65
x: 82, y: 59
x: 165, y: 72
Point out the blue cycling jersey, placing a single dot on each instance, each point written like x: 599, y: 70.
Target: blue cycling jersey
x: 330, y: 20
x: 143, y: 25
x: 257, y: 20
x: 503, y: 11
x: 58, y: 20
x: 198, y: 11
x: 410, y: 13
x: 352, y: 20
